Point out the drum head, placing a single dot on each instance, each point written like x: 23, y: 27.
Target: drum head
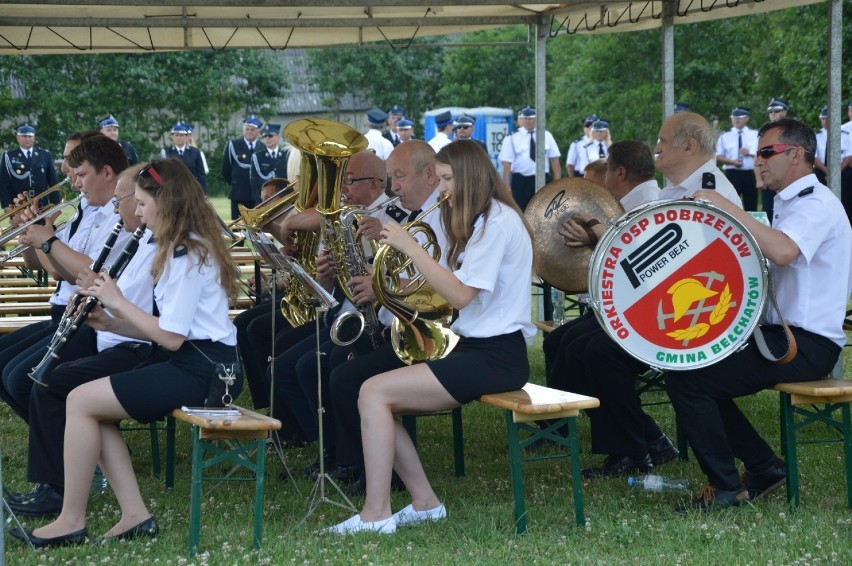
x: 564, y: 267
x: 678, y: 284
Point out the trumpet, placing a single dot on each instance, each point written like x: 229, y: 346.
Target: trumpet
x: 13, y: 232
x: 7, y: 215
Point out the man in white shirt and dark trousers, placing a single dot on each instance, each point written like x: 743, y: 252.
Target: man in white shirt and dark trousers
x: 735, y: 152
x: 820, y: 167
x: 518, y: 158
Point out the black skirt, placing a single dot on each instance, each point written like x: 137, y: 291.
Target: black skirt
x: 478, y: 366
x: 152, y: 392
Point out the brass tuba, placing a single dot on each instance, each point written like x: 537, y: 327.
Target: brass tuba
x: 326, y: 147
x: 421, y: 327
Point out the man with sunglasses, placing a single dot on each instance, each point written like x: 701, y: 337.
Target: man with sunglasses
x: 463, y: 130
x: 809, y: 247
x: 777, y: 110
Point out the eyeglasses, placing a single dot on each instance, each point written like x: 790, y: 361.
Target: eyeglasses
x: 774, y: 149
x: 352, y: 181
x: 116, y: 200
x: 149, y: 171
x: 464, y: 127
x: 269, y: 135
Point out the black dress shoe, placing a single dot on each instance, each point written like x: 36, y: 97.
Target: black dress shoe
x: 711, y: 499
x: 615, y: 465
x: 12, y: 497
x: 346, y: 474
x: 662, y: 450
x: 46, y: 503
x: 77, y: 537
x: 762, y: 484
x: 147, y: 528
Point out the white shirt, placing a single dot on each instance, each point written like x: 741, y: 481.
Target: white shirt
x: 191, y: 301
x: 813, y: 289
x: 97, y: 224
x: 137, y: 286
x: 577, y: 156
x: 591, y: 151
x: 728, y: 146
x: 693, y: 183
x: 516, y: 150
x: 498, y: 262
x: 640, y: 194
x: 433, y: 220
x: 845, y: 144
x: 378, y: 143
x: 439, y: 140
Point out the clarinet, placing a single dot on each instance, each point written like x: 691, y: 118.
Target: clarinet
x: 63, y: 334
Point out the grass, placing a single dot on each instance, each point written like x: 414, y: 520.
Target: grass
x: 623, y: 526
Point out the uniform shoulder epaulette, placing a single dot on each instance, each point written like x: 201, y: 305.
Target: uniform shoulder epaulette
x: 805, y: 192
x: 579, y: 139
x: 180, y: 251
x: 844, y: 132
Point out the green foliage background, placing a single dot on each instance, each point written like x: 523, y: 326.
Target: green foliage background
x: 718, y: 65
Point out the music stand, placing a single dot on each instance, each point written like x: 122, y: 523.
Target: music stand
x: 322, y: 301
x: 4, y: 521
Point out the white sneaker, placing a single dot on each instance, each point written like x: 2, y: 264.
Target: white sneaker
x: 410, y: 516
x: 355, y: 524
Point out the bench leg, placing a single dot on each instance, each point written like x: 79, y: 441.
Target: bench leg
x: 788, y: 448
x: 517, y: 474
x: 195, y: 492
x: 155, y: 448
x: 576, y: 474
x: 170, y: 451
x: 259, y: 483
x: 847, y: 451
x: 458, y: 442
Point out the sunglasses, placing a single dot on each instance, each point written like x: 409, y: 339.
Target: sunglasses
x: 269, y: 135
x: 466, y: 127
x: 150, y: 172
x: 772, y: 150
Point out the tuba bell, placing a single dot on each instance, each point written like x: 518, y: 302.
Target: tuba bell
x: 421, y: 326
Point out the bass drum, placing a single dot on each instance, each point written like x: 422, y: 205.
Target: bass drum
x: 564, y: 267
x: 678, y: 284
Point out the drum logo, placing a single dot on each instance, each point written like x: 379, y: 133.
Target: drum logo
x: 680, y: 295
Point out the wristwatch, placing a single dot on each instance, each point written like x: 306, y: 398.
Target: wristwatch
x: 47, y: 244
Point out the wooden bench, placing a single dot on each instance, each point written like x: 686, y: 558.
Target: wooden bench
x: 245, y: 447
x: 533, y: 403
x: 19, y: 308
x: 9, y: 324
x: 815, y: 401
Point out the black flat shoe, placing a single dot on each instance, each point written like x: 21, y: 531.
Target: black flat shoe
x: 75, y: 538
x: 147, y: 528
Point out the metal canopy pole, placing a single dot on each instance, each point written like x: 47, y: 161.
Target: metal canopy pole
x: 668, y: 58
x: 540, y: 94
x: 835, y: 106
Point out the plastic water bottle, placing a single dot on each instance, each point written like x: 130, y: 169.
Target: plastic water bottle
x: 651, y: 482
x: 99, y: 481
x: 557, y: 297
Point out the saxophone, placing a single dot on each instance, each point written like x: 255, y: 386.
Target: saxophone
x: 349, y: 326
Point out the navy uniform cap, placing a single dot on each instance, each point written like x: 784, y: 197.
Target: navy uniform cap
x: 442, y: 119
x: 404, y: 124
x: 850, y: 104
x: 108, y: 121
x: 739, y: 112
x: 590, y: 119
x: 777, y: 104
x: 252, y: 121
x: 272, y: 129
x: 465, y: 120
x: 681, y: 107
x: 396, y: 110
x: 376, y: 116
x: 526, y: 112
x: 25, y: 130
x: 823, y: 112
x: 181, y: 128
x: 600, y: 125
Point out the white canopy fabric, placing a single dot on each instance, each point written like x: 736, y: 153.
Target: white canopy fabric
x: 111, y: 26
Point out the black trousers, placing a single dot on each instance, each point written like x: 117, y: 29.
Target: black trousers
x: 284, y: 366
x: 589, y: 362
x: 255, y: 345
x: 523, y: 188
x: 47, y: 406
x: 345, y: 381
x: 714, y: 425
x: 745, y: 183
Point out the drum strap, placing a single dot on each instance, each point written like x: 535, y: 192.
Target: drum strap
x: 791, y: 340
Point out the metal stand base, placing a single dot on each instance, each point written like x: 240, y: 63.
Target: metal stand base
x: 12, y: 518
x: 319, y: 494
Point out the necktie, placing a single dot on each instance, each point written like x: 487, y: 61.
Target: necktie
x: 271, y: 155
x: 251, y: 147
x: 28, y: 154
x: 180, y: 152
x: 414, y: 214
x: 740, y: 142
x: 532, y: 146
x: 601, y: 151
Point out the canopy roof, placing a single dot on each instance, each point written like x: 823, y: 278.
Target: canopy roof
x: 73, y: 26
